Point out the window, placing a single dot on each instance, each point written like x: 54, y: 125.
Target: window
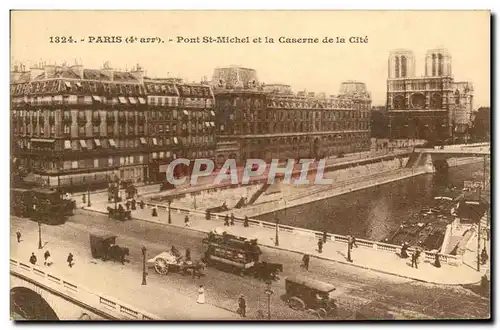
x: 96, y: 162
x: 110, y: 161
x: 112, y: 143
x: 96, y: 130
x: 67, y: 145
x: 52, y: 129
x: 83, y: 144
x: 141, y: 159
x: 74, y: 164
x: 122, y: 160
x: 97, y: 143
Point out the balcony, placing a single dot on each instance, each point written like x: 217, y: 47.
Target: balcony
x: 122, y: 119
x: 110, y: 119
x: 52, y: 120
x: 96, y: 120
x: 67, y: 120
x: 82, y: 121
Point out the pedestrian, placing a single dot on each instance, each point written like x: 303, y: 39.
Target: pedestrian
x: 232, y: 220
x: 226, y: 220
x: 437, y: 263
x: 245, y: 222
x: 186, y: 221
x: 207, y: 215
x: 46, y: 255
x: 242, y: 305
x: 404, y: 248
x: 201, y: 295
x: 353, y: 242
x: 414, y: 260
x: 127, y: 205
x: 133, y: 204
x: 154, y: 212
x: 141, y: 205
x: 320, y: 245
x: 305, y: 261
x: 70, y: 260
x: 33, y: 258
x: 484, y: 256
x: 18, y: 235
x: 188, y: 254
x: 324, y: 237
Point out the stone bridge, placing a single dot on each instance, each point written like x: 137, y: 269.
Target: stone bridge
x: 36, y: 294
x: 436, y: 159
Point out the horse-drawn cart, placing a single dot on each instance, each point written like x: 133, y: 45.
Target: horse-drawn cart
x: 167, y: 262
x: 103, y: 246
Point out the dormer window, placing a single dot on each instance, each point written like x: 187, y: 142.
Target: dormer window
x: 68, y: 85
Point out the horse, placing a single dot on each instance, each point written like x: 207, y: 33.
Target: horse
x: 117, y: 253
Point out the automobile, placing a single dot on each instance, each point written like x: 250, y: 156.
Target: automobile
x: 305, y: 293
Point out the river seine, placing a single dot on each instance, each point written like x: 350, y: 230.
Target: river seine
x: 374, y: 213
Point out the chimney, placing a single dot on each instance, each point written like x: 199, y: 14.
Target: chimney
x: 107, y: 70
x: 36, y: 71
x: 78, y: 70
x: 138, y: 73
x: 49, y: 70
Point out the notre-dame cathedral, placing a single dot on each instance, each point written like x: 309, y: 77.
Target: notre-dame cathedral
x: 433, y: 107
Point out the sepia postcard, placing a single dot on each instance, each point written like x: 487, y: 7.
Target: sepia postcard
x: 250, y: 165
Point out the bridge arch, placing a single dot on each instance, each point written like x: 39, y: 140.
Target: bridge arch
x: 31, y: 305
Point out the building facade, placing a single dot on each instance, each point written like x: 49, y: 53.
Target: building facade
x: 431, y: 107
x: 271, y: 122
x: 78, y: 127
x: 181, y: 123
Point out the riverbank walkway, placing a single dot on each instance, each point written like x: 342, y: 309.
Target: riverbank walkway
x: 382, y: 259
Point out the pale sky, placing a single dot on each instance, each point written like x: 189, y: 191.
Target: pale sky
x: 315, y: 67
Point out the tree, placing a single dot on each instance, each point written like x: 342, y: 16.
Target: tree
x: 481, y: 126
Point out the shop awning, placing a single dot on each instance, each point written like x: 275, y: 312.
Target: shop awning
x: 43, y: 140
x: 132, y: 100
x: 83, y: 143
x: 67, y: 84
x: 96, y: 98
x: 112, y: 143
x: 175, y: 140
x: 122, y: 100
x: 97, y: 142
x: 143, y: 140
x: 142, y: 100
x: 154, y: 141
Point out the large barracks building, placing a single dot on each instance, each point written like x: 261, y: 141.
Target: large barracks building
x: 255, y: 120
x: 79, y: 127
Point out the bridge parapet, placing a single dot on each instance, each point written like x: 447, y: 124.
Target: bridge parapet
x: 112, y: 308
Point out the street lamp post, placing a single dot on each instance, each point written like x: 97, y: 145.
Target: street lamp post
x: 169, y: 212
x: 88, y: 197
x: 269, y: 292
x: 40, y: 235
x: 144, y: 274
x: 276, y: 241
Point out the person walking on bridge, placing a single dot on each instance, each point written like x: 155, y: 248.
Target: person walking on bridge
x: 70, y: 260
x: 226, y: 220
x: 305, y: 261
x: 18, y: 236
x: 242, y: 305
x: 245, y: 222
x: 232, y: 220
x: 33, y: 258
x: 320, y: 245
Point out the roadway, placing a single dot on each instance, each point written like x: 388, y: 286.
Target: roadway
x: 372, y: 293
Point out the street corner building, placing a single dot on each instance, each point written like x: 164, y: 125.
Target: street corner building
x: 270, y: 121
x: 433, y: 107
x: 81, y: 128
